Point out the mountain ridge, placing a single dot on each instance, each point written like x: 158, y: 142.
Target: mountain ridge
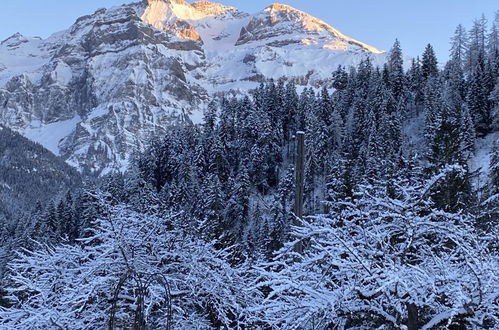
x: 121, y: 75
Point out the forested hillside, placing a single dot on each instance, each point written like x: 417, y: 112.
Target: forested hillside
x: 29, y: 174
x: 399, y: 232
x: 31, y: 177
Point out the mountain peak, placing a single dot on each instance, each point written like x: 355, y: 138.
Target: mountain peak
x: 181, y: 2
x: 173, y: 16
x: 16, y: 38
x: 280, y: 7
x: 280, y: 24
x: 98, y: 90
x: 212, y: 8
x: 183, y: 18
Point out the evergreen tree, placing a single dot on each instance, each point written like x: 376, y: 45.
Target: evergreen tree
x: 494, y: 170
x: 489, y: 215
x: 429, y: 63
x: 396, y: 71
x: 212, y: 207
x: 238, y: 205
x: 477, y: 97
x: 416, y: 84
x: 493, y: 47
x: 340, y: 79
x: 433, y: 107
x: 494, y: 113
x: 459, y: 46
x: 210, y: 118
x: 281, y: 212
x: 477, y: 38
x: 467, y: 133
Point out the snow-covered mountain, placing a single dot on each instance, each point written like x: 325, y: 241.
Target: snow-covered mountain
x: 98, y: 90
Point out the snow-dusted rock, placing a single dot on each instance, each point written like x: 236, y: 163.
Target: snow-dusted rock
x: 121, y: 75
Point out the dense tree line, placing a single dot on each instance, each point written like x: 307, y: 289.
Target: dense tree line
x: 197, y: 233
x: 30, y: 178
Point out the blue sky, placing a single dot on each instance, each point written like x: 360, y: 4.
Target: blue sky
x: 376, y: 22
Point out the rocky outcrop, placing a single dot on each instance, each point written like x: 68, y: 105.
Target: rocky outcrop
x: 125, y: 79
x: 101, y: 89
x: 285, y: 22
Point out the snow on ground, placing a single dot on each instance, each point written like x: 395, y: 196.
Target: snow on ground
x: 295, y: 46
x: 50, y: 135
x: 481, y: 160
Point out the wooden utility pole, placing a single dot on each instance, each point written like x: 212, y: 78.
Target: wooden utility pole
x: 300, y: 182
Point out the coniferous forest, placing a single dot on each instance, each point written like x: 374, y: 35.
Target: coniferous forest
x: 400, y: 226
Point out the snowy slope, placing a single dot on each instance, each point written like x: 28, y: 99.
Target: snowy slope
x: 480, y: 163
x: 99, y: 90
x: 21, y: 55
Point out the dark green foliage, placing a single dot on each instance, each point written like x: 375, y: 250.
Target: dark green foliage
x: 429, y: 63
x: 396, y: 75
x: 376, y: 137
x: 478, y: 97
x: 30, y: 173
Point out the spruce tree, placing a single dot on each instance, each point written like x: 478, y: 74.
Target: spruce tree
x: 477, y: 38
x: 416, y: 84
x: 477, y: 97
x: 493, y: 46
x: 494, y: 170
x: 396, y: 71
x: 494, y: 113
x: 459, y: 46
x: 429, y: 63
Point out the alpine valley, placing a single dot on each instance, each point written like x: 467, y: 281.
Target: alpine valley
x: 174, y: 165
x: 96, y: 92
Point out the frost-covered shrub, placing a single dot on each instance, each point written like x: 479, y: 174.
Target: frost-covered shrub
x: 397, y: 263
x: 132, y: 271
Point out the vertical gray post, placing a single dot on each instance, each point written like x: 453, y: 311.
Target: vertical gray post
x: 300, y: 181
x: 299, y: 173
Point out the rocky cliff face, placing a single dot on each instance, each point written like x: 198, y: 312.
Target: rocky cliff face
x: 99, y: 90
x: 281, y: 25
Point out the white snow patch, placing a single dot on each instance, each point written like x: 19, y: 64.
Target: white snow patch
x: 19, y: 55
x: 481, y: 160
x: 50, y: 135
x: 62, y: 74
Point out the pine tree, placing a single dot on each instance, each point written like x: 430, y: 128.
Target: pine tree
x: 212, y: 207
x: 433, y: 107
x: 340, y: 79
x: 90, y: 205
x: 453, y: 193
x: 67, y: 227
x: 373, y: 153
x: 493, y: 47
x: 494, y: 170
x: 429, y: 63
x: 240, y: 198
x: 281, y: 212
x: 459, y: 46
x: 494, y: 113
x: 415, y: 79
x: 445, y: 144
x: 454, y: 70
x: 477, y: 97
x: 396, y: 71
x: 290, y: 105
x: 477, y: 38
x: 489, y: 215
x: 467, y: 133
x: 218, y: 163
x: 210, y: 118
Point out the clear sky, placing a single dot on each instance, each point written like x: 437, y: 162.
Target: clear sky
x: 376, y: 22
